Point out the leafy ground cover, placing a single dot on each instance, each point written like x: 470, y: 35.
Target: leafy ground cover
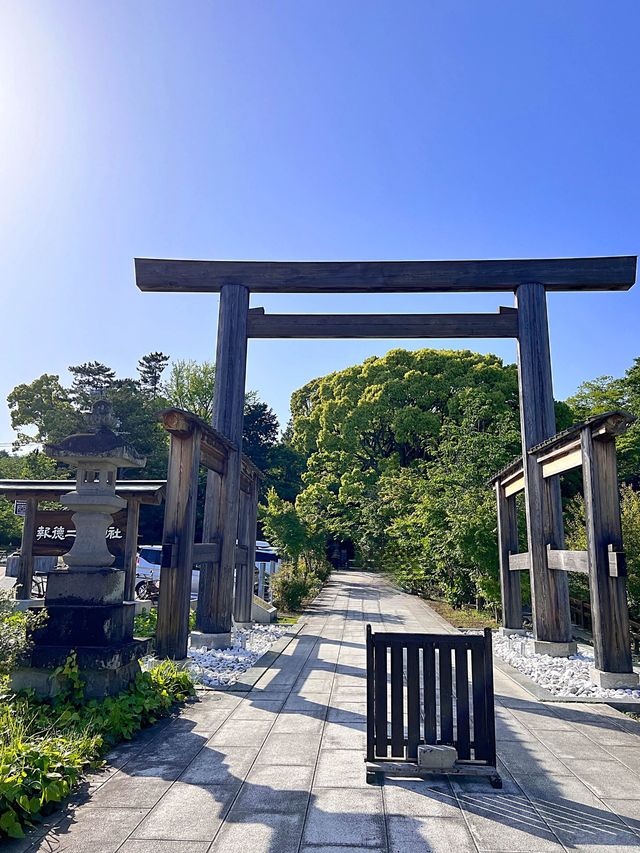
x: 145, y: 623
x: 45, y: 746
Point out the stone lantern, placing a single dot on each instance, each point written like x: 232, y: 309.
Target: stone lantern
x: 97, y: 455
x: 85, y: 604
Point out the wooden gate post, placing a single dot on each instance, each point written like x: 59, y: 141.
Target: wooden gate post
x: 243, y: 591
x: 177, y: 545
x: 25, y: 566
x: 131, y: 548
x: 549, y: 589
x: 607, y: 571
x: 214, y: 614
x: 243, y: 598
x: 508, y: 544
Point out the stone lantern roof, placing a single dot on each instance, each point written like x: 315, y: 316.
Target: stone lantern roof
x: 100, y: 445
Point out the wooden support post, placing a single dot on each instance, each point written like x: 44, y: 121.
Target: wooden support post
x: 131, y: 548
x: 609, y: 608
x: 25, y: 567
x: 211, y: 527
x: 243, y: 591
x: 214, y: 613
x: 243, y: 599
x: 549, y: 590
x: 252, y: 528
x: 179, y: 530
x: 508, y: 544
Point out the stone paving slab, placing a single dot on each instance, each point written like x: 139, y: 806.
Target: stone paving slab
x: 280, y: 768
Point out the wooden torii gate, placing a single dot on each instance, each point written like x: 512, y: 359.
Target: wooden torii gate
x: 591, y: 446
x: 526, y: 323
x: 194, y: 443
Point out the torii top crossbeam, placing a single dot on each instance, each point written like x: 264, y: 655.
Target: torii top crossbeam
x: 189, y: 276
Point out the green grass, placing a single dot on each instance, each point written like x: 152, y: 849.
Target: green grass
x: 287, y: 618
x: 464, y: 617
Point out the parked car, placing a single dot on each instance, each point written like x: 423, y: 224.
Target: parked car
x: 150, y: 558
x: 148, y: 569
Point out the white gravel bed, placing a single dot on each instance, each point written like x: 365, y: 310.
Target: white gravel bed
x: 560, y: 676
x: 218, y: 667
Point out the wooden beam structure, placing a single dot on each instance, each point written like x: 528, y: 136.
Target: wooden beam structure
x: 216, y: 453
x: 501, y: 325
x: 543, y: 504
x: 131, y: 548
x: 215, y: 599
x: 591, y: 445
x: 520, y: 562
x: 537, y: 472
x: 195, y: 276
x: 609, y: 608
x: 508, y: 545
x: 179, y: 525
x: 25, y: 566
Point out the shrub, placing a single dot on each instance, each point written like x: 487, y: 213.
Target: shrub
x: 15, y: 629
x: 46, y: 745
x: 145, y: 623
x: 293, y: 586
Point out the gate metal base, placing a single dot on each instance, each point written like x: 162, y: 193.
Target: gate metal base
x: 377, y: 770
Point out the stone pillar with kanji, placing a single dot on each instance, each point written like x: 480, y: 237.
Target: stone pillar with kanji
x: 86, y: 611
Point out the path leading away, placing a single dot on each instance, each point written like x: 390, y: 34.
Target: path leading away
x: 280, y: 769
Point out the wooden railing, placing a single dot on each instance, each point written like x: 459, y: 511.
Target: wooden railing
x: 581, y: 617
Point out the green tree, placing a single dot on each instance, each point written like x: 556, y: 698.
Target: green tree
x: 605, y: 394
x: 259, y: 433
x: 150, y: 370
x: 45, y: 405
x: 399, y: 452
x: 90, y: 381
x: 190, y: 387
x: 27, y: 466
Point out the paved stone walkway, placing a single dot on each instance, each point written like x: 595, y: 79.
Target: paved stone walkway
x: 280, y: 769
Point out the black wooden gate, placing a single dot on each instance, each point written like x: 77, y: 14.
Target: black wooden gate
x: 430, y: 689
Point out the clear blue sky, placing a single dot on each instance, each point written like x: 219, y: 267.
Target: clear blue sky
x: 310, y: 130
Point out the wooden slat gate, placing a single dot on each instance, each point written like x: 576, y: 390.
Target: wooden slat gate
x: 430, y: 689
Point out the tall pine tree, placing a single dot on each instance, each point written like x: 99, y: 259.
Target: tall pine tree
x: 150, y: 370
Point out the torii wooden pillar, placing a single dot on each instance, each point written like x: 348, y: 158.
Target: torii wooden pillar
x: 529, y: 279
x: 543, y: 503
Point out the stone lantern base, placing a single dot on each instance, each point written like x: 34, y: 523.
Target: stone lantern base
x: 86, y: 614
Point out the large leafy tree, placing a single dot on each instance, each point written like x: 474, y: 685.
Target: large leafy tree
x: 399, y: 451
x: 607, y: 393
x: 44, y: 405
x: 190, y: 386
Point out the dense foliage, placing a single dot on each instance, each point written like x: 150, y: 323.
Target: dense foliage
x: 399, y: 452
x: 605, y: 394
x: 576, y: 538
x: 302, y: 545
x: 45, y: 746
